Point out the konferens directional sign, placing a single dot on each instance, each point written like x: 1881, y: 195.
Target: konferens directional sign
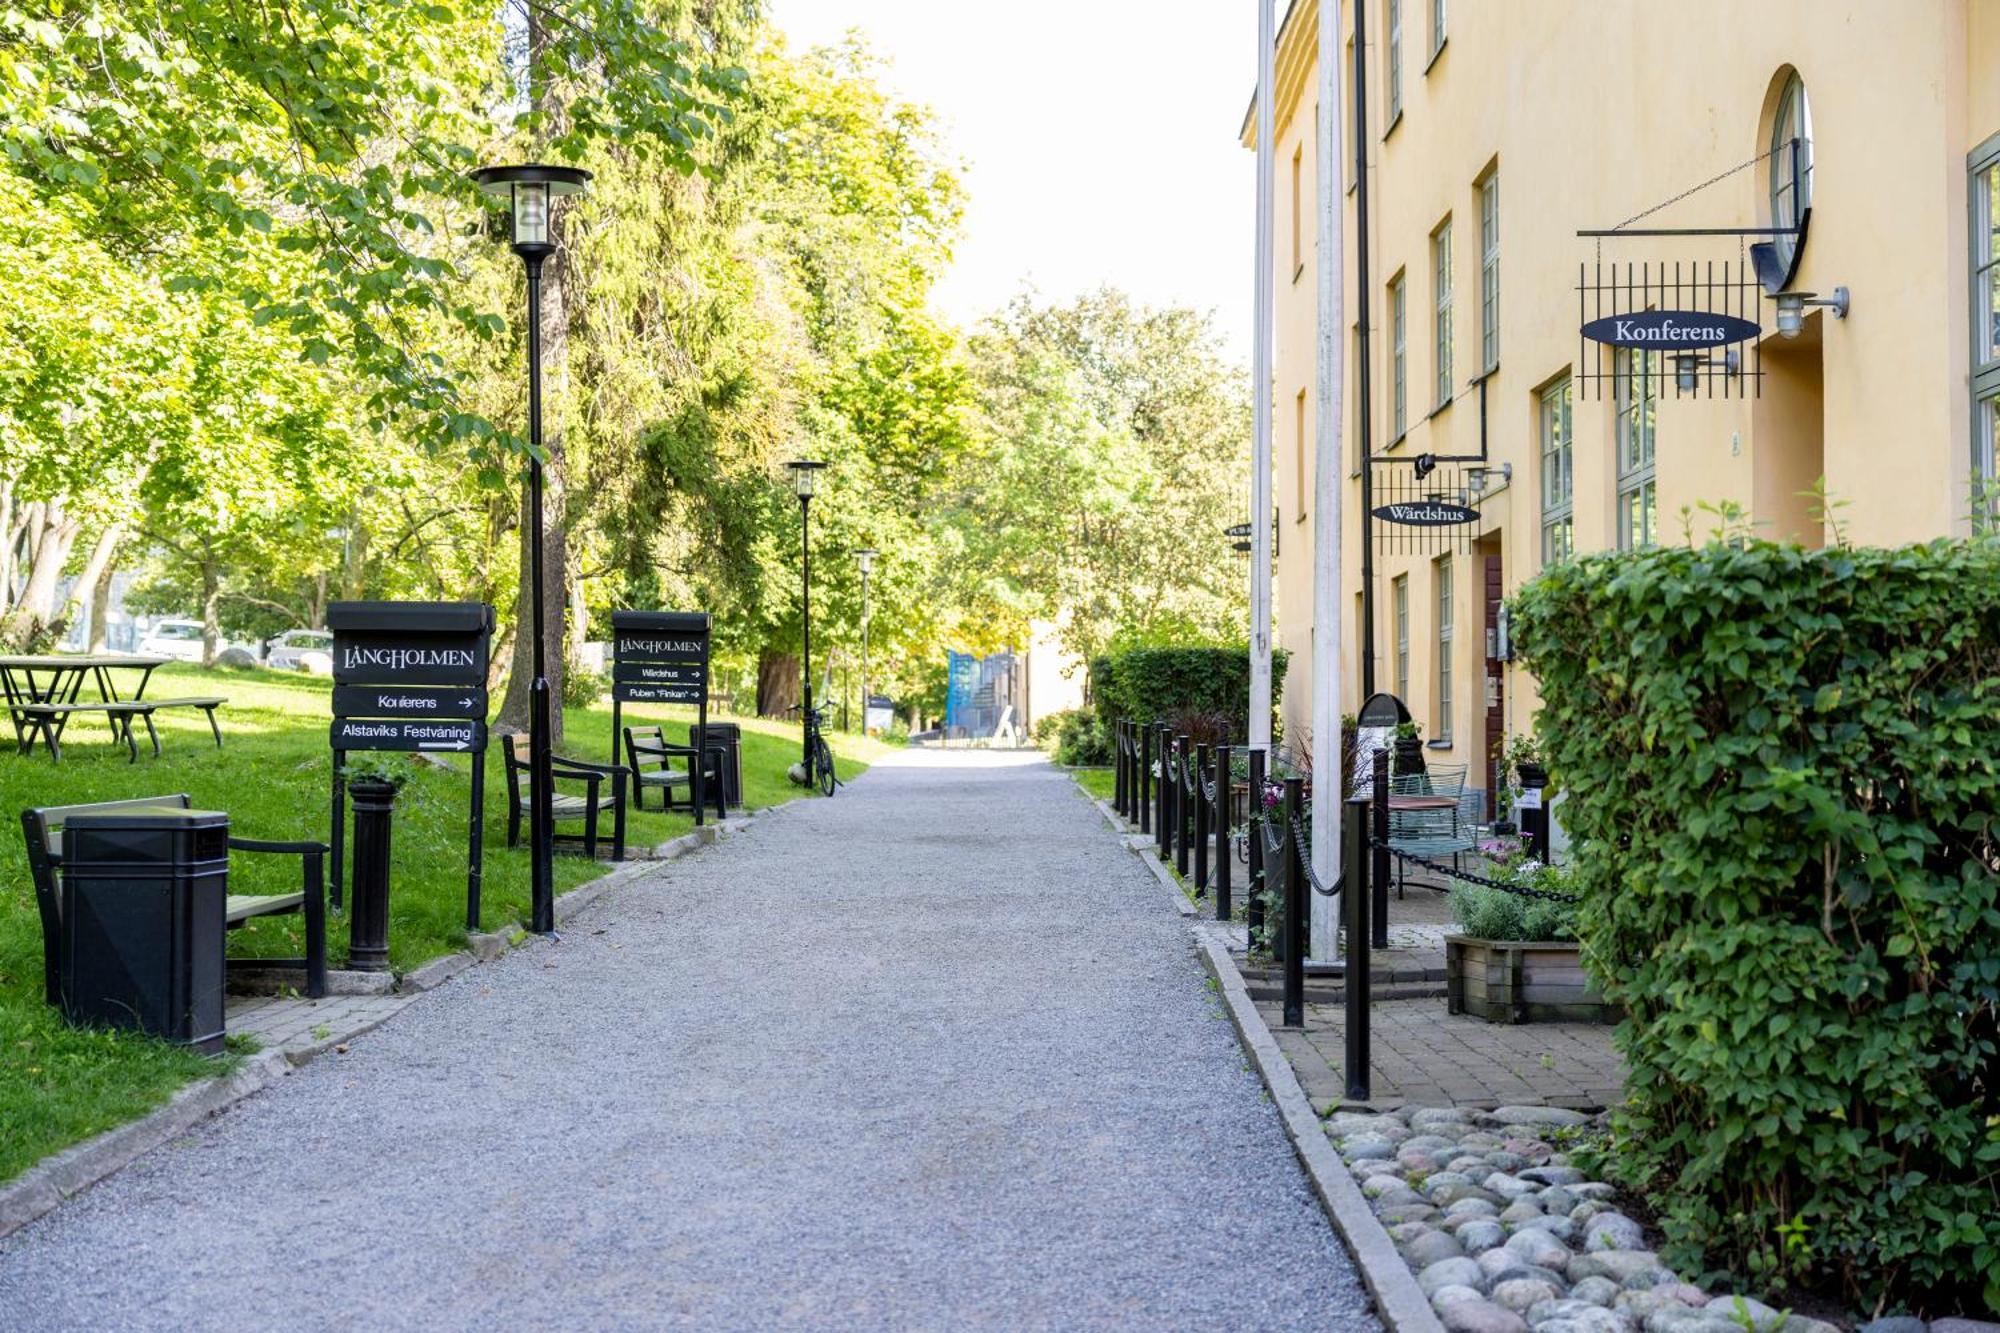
x: 350, y: 733
x: 1426, y: 514
x: 1670, y: 330
x: 419, y: 702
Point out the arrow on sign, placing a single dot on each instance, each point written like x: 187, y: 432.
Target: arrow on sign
x: 443, y: 745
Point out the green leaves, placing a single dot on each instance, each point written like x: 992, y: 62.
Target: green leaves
x: 1782, y: 785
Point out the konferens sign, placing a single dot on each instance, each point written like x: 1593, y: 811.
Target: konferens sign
x: 1670, y: 330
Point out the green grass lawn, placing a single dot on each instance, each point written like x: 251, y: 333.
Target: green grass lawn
x: 273, y: 776
x: 1099, y: 782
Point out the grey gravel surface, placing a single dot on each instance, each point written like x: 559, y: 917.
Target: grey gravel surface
x: 935, y: 1052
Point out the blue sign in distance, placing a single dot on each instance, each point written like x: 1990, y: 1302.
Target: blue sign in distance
x: 1670, y: 330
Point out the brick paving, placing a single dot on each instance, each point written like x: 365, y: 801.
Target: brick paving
x: 300, y: 1025
x: 1422, y: 1056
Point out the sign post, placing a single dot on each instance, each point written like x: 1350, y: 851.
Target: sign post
x: 411, y: 676
x: 661, y: 657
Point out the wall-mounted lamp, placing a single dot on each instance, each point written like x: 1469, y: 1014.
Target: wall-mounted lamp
x: 1689, y: 365
x: 1792, y: 309
x: 1425, y: 465
x: 1482, y: 476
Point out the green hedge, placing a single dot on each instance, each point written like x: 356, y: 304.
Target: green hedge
x: 1155, y: 684
x: 1783, y: 770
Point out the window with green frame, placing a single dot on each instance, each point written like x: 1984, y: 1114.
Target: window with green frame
x: 1399, y: 598
x: 1635, y: 377
x: 1489, y: 271
x: 1441, y: 286
x: 1985, y: 199
x: 1558, y: 474
x: 1394, y: 56
x: 1444, y: 634
x: 1399, y: 339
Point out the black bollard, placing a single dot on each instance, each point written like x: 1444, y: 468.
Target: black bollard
x: 1164, y: 805
x: 1355, y: 896
x: 1183, y: 813
x: 1202, y: 817
x: 1145, y: 775
x: 1378, y: 871
x: 1295, y: 907
x: 1220, y: 865
x: 1253, y: 910
x: 368, y: 912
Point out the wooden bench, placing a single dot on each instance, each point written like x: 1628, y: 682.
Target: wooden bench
x: 567, y: 808
x: 649, y: 754
x: 43, y: 830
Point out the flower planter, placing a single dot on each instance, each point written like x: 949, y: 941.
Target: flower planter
x: 1521, y: 981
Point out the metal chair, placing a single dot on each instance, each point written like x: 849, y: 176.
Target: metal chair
x: 1451, y: 830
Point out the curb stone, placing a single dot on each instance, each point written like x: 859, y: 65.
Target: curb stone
x: 1399, y: 1302
x: 46, y: 1185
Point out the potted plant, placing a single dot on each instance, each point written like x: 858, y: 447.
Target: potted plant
x: 1409, y: 749
x: 1520, y: 758
x: 1516, y: 958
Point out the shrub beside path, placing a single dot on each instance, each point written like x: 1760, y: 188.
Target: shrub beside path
x: 932, y: 1052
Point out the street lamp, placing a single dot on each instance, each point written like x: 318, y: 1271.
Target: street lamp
x: 865, y: 557
x: 802, y: 485
x: 529, y: 191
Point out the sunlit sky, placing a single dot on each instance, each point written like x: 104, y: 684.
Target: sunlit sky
x: 1099, y: 138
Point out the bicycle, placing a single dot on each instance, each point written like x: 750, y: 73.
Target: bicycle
x: 817, y: 770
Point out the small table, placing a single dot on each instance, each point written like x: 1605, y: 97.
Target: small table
x: 1419, y: 801
x: 59, y: 679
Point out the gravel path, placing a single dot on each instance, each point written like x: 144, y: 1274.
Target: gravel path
x: 933, y: 1053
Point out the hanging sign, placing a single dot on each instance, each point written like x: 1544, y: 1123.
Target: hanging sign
x: 1427, y: 514
x: 1670, y: 330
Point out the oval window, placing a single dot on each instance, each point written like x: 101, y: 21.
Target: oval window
x: 1791, y: 163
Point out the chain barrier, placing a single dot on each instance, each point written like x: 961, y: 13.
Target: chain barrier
x: 1305, y: 859
x: 1208, y: 790
x: 1519, y: 890
x: 1190, y: 777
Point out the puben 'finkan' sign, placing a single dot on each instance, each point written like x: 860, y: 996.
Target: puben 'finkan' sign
x: 1670, y: 330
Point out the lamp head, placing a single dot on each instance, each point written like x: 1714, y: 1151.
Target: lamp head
x: 802, y: 476
x: 865, y: 557
x: 529, y: 190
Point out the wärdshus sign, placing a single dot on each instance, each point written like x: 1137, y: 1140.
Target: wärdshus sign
x: 1426, y: 513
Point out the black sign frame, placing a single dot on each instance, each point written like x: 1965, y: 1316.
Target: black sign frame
x: 663, y: 657
x: 416, y: 673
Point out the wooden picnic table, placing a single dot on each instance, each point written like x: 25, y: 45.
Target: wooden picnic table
x: 32, y: 683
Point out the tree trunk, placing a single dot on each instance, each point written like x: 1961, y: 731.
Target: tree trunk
x: 211, y: 603
x: 100, y: 608
x: 777, y: 683
x: 96, y: 571
x: 7, y: 539
x: 555, y: 385
x: 52, y: 534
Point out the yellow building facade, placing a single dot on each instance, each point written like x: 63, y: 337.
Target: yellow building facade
x: 1498, y: 130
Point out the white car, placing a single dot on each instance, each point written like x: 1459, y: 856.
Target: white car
x: 309, y: 650
x: 178, y: 639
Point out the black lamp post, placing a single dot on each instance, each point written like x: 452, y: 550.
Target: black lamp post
x: 530, y: 191
x: 802, y: 484
x: 865, y: 557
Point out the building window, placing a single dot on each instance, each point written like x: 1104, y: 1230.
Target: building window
x: 1399, y: 337
x: 1399, y: 597
x: 1444, y: 648
x: 1636, y: 382
x: 1985, y: 192
x: 1489, y: 271
x: 1441, y: 283
x: 1299, y: 457
x: 1395, y: 59
x: 1437, y: 26
x: 1791, y: 164
x: 1558, y: 475
x: 1298, y: 177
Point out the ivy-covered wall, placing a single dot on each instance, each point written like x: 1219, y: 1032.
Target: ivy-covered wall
x: 1783, y: 770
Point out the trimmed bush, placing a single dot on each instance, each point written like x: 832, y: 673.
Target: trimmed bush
x: 1155, y: 684
x: 1076, y: 737
x: 1783, y: 770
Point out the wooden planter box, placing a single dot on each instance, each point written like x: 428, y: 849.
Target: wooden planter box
x: 1520, y: 981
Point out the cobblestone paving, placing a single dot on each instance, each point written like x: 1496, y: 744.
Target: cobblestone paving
x: 932, y: 1054
x: 289, y: 1024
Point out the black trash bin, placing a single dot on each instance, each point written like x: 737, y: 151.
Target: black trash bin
x: 144, y: 916
x: 729, y: 736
